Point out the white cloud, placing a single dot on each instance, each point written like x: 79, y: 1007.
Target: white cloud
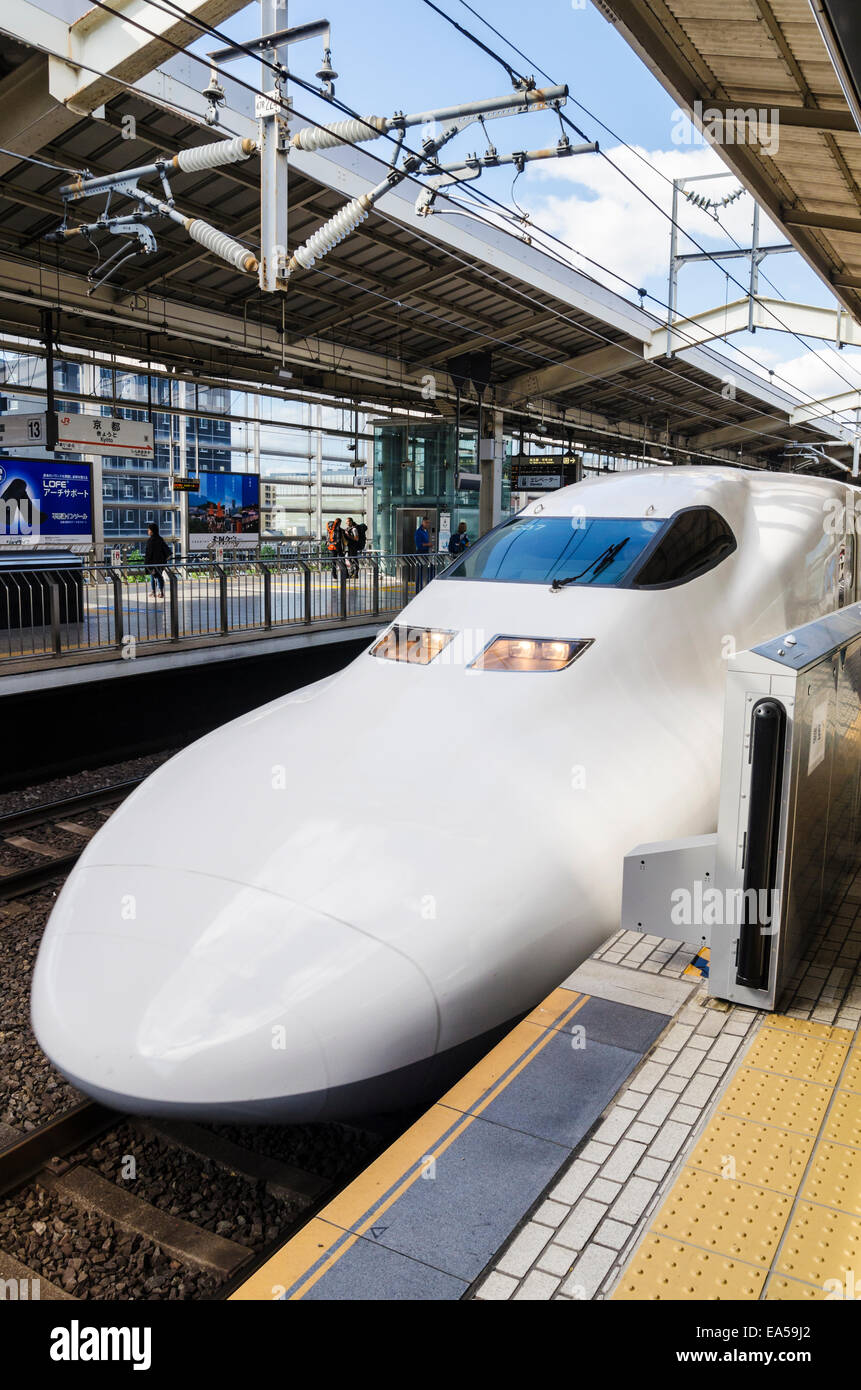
x: 815, y: 373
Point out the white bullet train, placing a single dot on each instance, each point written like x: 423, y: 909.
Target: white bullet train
x: 315, y: 911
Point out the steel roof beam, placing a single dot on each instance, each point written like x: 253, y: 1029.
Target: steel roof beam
x: 100, y: 46
x: 602, y: 362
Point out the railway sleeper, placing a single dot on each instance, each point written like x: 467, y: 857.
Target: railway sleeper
x: 189, y: 1244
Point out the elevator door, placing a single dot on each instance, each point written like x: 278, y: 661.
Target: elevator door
x: 406, y: 524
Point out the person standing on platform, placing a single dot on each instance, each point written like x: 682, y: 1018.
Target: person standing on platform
x: 156, y: 556
x: 459, y: 541
x: 423, y: 545
x: 335, y: 544
x: 351, y: 539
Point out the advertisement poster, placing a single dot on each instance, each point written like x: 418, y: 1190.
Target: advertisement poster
x: 45, y: 502
x: 225, y: 511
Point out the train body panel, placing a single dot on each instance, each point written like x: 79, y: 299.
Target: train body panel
x: 367, y: 874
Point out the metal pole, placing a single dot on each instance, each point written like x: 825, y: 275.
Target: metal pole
x: 174, y: 605
x: 274, y: 133
x: 50, y: 404
x: 754, y: 269
x: 319, y: 517
x: 498, y: 452
x: 117, y: 582
x: 183, y: 468
x: 222, y: 598
x: 674, y: 268
x: 56, y: 635
x: 267, y: 595
x: 306, y: 577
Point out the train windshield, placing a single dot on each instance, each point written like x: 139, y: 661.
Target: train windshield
x: 558, y: 549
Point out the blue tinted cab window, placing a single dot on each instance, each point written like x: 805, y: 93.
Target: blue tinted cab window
x: 539, y: 550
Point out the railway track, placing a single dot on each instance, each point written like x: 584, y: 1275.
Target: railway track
x: 39, y: 861
x: 95, y: 1204
x: 56, y: 1174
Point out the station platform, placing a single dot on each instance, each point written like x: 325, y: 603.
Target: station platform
x: 630, y: 1139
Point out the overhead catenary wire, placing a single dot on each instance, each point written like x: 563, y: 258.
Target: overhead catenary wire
x: 627, y: 391
x: 170, y: 7
x: 45, y: 163
x: 566, y: 120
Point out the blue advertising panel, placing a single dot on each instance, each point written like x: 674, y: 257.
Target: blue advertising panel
x: 44, y: 500
x: 227, y: 508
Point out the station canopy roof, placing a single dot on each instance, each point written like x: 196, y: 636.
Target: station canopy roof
x: 399, y: 301
x: 801, y: 73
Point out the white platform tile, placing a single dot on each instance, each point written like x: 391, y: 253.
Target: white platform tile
x: 587, y: 1274
x: 539, y: 1285
x: 524, y: 1250
x: 580, y: 1224
x: 496, y: 1287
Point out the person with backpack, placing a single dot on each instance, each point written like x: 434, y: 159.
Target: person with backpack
x: 335, y: 543
x: 362, y: 534
x: 351, y: 539
x: 459, y: 540
x: 156, y: 555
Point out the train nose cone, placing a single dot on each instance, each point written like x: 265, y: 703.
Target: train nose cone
x: 158, y: 990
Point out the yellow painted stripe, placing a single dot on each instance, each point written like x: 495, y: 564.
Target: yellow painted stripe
x: 735, y: 1211
x: 353, y: 1213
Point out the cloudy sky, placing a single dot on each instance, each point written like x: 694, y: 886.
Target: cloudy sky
x: 400, y: 54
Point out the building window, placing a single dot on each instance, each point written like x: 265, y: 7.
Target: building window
x: 130, y: 516
x: 109, y: 516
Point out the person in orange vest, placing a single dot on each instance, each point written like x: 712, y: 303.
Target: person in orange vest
x: 335, y: 543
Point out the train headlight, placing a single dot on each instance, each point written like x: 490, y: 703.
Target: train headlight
x: 418, y: 645
x: 529, y: 654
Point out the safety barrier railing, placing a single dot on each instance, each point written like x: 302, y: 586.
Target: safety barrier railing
x: 94, y: 608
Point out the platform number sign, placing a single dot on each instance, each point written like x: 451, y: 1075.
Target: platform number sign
x: 35, y: 429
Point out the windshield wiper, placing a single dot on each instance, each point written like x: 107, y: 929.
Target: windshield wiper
x: 599, y: 564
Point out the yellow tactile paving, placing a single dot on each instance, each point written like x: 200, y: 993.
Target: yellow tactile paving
x: 820, y: 1244
x: 835, y: 1177
x: 789, y: 1119
x: 731, y: 1218
x: 843, y: 1125
x: 776, y: 1100
x: 851, y: 1078
x: 666, y: 1269
x: 793, y: 1054
x: 790, y: 1290
x: 754, y: 1153
x: 810, y: 1030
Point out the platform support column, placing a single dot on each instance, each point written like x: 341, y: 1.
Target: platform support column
x: 375, y: 586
